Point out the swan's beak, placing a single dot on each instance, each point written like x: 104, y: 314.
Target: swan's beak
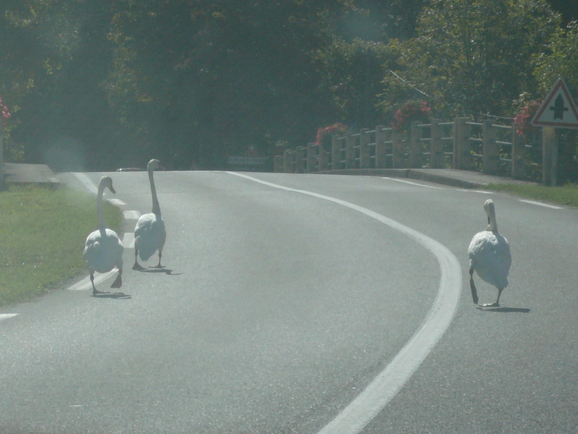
x: 112, y: 189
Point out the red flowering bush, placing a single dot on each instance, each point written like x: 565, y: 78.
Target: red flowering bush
x: 524, y: 117
x: 409, y: 112
x: 5, y: 113
x: 327, y: 131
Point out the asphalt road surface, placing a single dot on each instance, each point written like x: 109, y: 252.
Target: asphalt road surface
x: 305, y: 304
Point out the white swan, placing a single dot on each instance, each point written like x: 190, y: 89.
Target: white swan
x: 103, y: 249
x: 150, y: 233
x: 490, y: 257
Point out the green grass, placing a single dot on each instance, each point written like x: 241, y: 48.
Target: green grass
x: 42, y: 234
x: 566, y: 195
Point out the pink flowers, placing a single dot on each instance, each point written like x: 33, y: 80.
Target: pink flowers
x: 5, y: 112
x: 522, y: 119
x: 322, y: 132
x: 409, y: 112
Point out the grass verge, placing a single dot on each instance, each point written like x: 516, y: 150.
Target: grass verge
x: 566, y: 195
x: 42, y: 238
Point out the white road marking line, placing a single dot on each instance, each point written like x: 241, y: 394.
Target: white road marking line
x: 533, y: 202
x: 474, y: 191
x: 85, y: 284
x: 117, y: 202
x: 131, y: 214
x: 128, y: 240
x: 86, y: 181
x: 385, y: 386
x: 7, y: 315
x: 412, y: 183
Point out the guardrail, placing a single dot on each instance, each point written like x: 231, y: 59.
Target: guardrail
x: 461, y: 144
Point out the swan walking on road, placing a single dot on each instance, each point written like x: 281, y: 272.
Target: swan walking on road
x: 490, y: 257
x: 103, y: 249
x: 150, y: 233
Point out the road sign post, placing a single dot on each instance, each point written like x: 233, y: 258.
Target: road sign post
x: 556, y: 111
x: 1, y: 154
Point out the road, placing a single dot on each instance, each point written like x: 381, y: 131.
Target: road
x: 283, y: 301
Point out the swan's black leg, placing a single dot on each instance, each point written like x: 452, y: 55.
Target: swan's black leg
x: 473, y: 287
x: 497, y: 303
x: 118, y: 281
x: 136, y: 265
x: 94, y: 290
x: 160, y: 257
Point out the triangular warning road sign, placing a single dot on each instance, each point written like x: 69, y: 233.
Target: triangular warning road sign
x: 558, y: 109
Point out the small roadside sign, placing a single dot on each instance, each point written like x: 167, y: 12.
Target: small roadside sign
x: 558, y: 109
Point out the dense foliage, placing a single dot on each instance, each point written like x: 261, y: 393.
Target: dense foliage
x: 100, y: 84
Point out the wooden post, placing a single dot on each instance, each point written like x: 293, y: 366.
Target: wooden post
x: 462, y: 147
x: 549, y: 156
x: 437, y: 157
x: 491, y: 156
x: 517, y: 153
x: 299, y: 157
x: 323, y: 157
x: 415, y: 147
x: 277, y: 163
x: 335, y: 153
x: 349, y: 151
x: 310, y: 158
x: 397, y: 149
x: 287, y: 161
x: 364, y: 155
x: 380, y: 148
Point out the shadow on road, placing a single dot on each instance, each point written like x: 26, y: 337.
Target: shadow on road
x: 505, y: 309
x: 118, y: 295
x: 159, y: 270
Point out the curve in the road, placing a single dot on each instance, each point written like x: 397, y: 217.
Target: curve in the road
x: 385, y: 386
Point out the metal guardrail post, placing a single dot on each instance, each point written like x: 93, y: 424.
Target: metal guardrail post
x: 491, y: 156
x: 380, y: 148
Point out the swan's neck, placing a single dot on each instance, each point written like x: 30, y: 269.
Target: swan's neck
x: 156, y: 206
x: 101, y: 222
x: 492, y: 224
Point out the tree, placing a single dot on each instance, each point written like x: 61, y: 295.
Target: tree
x: 471, y: 57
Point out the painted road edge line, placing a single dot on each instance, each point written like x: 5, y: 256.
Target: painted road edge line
x: 385, y: 386
x: 403, y: 181
x: 545, y: 205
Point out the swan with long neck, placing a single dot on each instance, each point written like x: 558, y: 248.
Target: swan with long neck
x: 490, y: 257
x: 103, y: 249
x: 150, y: 233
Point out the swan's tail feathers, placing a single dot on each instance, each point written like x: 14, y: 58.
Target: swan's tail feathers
x: 118, y: 281
x: 473, y: 287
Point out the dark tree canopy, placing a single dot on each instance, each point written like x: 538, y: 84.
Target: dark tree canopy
x: 100, y: 84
